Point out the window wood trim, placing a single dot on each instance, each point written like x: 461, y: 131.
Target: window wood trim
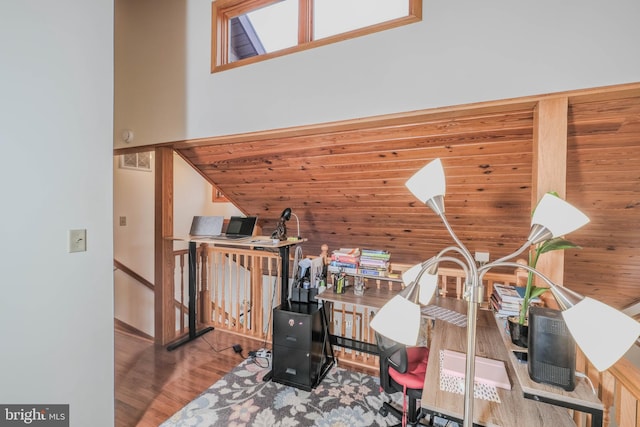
x: 222, y: 11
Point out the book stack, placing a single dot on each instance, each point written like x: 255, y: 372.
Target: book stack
x: 345, y: 260
x: 506, y: 300
x: 374, y: 262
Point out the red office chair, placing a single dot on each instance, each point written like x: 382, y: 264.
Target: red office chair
x: 402, y: 369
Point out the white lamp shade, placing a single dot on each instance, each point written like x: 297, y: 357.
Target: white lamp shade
x: 428, y: 182
x: 603, y: 333
x: 428, y: 286
x: 398, y: 320
x: 558, y: 216
x: 411, y: 274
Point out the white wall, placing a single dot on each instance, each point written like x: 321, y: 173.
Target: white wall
x: 133, y: 243
x: 463, y: 51
x: 56, y: 131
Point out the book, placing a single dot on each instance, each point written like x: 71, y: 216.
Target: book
x: 340, y: 264
x: 501, y: 310
x: 374, y: 262
x: 376, y: 254
x: 345, y: 258
x: 510, y: 294
x: 507, y: 293
x: 369, y: 272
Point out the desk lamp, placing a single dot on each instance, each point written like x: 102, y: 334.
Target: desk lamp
x: 590, y: 322
x: 281, y: 232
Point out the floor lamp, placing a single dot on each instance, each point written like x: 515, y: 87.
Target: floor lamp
x: 589, y: 321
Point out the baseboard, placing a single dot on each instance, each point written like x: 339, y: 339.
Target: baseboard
x: 125, y: 327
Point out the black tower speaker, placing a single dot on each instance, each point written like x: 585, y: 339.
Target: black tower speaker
x: 552, y: 350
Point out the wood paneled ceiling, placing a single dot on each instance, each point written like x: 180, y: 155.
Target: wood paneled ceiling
x: 347, y: 186
x: 345, y: 181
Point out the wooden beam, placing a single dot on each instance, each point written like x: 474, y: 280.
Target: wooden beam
x: 549, y: 171
x: 165, y: 322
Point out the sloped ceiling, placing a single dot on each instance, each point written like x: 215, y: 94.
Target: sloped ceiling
x: 345, y: 181
x: 347, y: 185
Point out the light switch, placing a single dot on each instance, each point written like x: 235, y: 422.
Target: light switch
x: 77, y: 240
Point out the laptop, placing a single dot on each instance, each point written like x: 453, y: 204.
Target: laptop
x: 206, y: 226
x: 240, y: 227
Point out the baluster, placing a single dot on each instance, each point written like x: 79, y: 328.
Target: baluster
x: 205, y: 294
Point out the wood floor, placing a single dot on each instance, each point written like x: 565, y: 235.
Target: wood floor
x: 151, y: 383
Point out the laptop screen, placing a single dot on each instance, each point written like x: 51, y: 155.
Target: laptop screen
x: 241, y: 226
x: 206, y: 225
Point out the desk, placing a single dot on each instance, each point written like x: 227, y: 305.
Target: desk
x: 255, y: 242
x: 513, y: 409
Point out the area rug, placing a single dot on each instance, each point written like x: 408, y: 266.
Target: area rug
x: 242, y: 398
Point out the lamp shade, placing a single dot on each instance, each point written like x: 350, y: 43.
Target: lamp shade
x: 557, y: 215
x: 410, y: 275
x: 603, y: 333
x: 428, y: 182
x: 286, y: 214
x: 427, y: 281
x: 398, y: 320
x: 428, y: 286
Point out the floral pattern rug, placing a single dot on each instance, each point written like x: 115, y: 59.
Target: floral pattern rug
x: 241, y: 398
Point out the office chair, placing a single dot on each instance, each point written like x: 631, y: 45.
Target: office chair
x: 402, y: 369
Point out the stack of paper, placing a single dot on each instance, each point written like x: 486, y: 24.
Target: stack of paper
x: 488, y: 371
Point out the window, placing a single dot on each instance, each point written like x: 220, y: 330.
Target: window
x: 247, y: 31
x: 137, y: 161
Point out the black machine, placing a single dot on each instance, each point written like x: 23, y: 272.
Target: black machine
x: 552, y: 350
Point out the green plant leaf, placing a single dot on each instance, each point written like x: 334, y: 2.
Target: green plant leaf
x: 536, y: 291
x: 556, y: 244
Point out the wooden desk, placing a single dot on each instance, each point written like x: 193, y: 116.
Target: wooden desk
x: 373, y: 298
x: 513, y: 409
x: 254, y: 242
x: 581, y: 399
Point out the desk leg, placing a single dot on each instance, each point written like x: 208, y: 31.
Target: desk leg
x: 193, y: 334
x: 327, y: 347
x: 596, y: 415
x: 284, y: 281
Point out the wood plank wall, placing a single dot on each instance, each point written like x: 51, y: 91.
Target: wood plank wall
x: 345, y: 181
x: 603, y: 178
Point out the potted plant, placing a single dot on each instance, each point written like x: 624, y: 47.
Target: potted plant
x: 518, y: 326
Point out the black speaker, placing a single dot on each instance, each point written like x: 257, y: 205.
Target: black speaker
x: 552, y: 350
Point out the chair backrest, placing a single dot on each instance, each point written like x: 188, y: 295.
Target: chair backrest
x: 391, y: 354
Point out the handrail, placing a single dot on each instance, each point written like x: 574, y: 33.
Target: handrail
x: 120, y: 266
x: 128, y: 271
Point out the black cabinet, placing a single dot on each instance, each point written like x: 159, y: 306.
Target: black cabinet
x: 302, y: 354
